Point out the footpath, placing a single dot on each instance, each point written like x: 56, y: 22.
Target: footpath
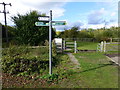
x: 74, y: 60
x: 114, y: 58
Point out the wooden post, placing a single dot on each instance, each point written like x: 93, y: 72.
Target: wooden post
x: 104, y: 46
x: 110, y: 39
x: 0, y: 40
x: 101, y: 46
x: 75, y: 47
x: 64, y: 44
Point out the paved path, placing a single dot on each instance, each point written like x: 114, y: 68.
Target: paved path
x: 115, y: 59
x: 74, y: 60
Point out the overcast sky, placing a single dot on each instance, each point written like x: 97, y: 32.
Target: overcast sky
x: 83, y: 13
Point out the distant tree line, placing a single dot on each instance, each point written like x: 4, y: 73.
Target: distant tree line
x: 97, y: 34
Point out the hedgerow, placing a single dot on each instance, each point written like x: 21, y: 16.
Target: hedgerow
x: 22, y: 61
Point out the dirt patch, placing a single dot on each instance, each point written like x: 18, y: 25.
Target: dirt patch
x: 12, y: 81
x: 74, y: 60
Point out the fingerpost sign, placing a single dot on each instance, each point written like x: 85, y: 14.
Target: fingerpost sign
x: 51, y: 23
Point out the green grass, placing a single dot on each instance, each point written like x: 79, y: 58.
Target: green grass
x: 87, y: 45
x: 97, y: 71
x: 64, y: 70
x: 42, y: 52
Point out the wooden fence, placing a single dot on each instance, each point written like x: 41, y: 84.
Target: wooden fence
x: 111, y: 46
x: 114, y: 39
x: 80, y: 39
x: 70, y: 46
x: 91, y: 39
x: 59, y: 47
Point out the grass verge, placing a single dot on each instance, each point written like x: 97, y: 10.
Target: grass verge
x: 97, y: 71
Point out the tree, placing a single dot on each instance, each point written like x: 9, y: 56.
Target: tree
x: 71, y: 33
x: 27, y: 32
x: 74, y: 32
x: 66, y: 34
x: 83, y: 34
x: 91, y: 33
x: 11, y: 33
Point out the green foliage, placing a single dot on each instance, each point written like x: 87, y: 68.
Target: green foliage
x: 54, y: 49
x: 46, y: 43
x: 50, y: 78
x: 71, y: 33
x: 96, y: 34
x: 11, y: 33
x: 84, y: 34
x: 74, y: 32
x: 27, y: 32
x: 16, y: 60
x: 23, y: 60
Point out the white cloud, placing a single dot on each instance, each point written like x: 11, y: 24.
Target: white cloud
x: 101, y: 25
x: 113, y: 13
x: 96, y: 17
x: 112, y: 25
x: 102, y: 11
x: 24, y: 6
x: 69, y: 25
x: 56, y: 12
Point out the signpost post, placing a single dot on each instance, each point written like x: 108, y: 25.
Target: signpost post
x: 51, y: 23
x: 50, y: 43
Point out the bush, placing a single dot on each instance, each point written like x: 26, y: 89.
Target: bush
x: 22, y: 60
x: 16, y: 60
x: 19, y: 65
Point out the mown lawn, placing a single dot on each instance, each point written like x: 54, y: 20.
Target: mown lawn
x: 96, y: 71
x: 87, y: 45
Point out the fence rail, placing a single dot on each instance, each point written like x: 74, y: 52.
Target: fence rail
x: 104, y: 47
x: 92, y: 39
x: 70, y: 45
x: 81, y: 39
x: 69, y: 42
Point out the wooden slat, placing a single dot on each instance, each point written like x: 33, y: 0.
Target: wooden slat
x: 69, y: 42
x: 69, y: 45
x: 113, y: 43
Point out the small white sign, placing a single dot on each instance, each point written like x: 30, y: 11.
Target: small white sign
x: 43, y: 18
x: 58, y: 40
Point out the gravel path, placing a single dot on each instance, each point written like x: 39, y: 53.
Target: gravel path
x: 74, y: 60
